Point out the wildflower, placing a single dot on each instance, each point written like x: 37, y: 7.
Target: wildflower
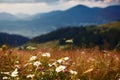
x: 62, y: 60
x: 41, y: 68
x: 46, y: 55
x: 55, y: 64
x: 50, y: 65
x: 30, y: 76
x: 33, y: 58
x: 14, y: 73
x: 5, y: 78
x: 60, y: 68
x: 37, y: 63
x: 66, y: 58
x: 7, y: 73
x: 73, y: 72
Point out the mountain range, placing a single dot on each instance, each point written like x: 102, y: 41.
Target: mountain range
x: 41, y: 23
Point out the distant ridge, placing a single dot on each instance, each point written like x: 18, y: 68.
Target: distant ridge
x: 78, y: 7
x: 7, y: 16
x: 46, y: 22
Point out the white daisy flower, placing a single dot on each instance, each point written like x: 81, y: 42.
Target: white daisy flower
x: 73, y: 72
x: 60, y: 68
x: 33, y: 58
x: 5, y: 78
x: 37, y: 63
x: 14, y: 73
x: 66, y: 58
x: 46, y: 55
x: 30, y: 76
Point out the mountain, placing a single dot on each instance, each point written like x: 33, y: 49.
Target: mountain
x: 23, y: 16
x: 42, y: 15
x: 42, y: 23
x: 104, y: 36
x: 80, y: 15
x: 6, y: 16
x: 12, y: 40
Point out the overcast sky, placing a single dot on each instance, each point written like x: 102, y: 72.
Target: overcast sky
x: 41, y: 6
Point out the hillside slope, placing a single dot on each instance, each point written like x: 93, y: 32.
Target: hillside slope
x: 12, y: 40
x: 90, y: 36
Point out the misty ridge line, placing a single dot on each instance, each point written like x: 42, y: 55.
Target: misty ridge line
x: 26, y: 16
x: 43, y: 6
x: 42, y: 23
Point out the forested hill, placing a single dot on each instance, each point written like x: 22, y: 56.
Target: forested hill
x: 12, y: 40
x: 105, y: 36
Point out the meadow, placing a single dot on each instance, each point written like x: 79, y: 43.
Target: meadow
x: 56, y: 64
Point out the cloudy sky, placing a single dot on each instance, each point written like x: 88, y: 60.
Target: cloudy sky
x: 41, y: 6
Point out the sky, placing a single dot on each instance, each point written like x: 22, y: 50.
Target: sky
x: 42, y: 6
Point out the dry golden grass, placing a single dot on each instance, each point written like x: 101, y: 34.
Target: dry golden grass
x: 90, y: 64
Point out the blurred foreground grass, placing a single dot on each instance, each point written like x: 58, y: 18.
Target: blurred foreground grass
x: 51, y: 64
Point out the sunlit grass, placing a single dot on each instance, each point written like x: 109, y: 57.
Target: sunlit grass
x: 50, y: 64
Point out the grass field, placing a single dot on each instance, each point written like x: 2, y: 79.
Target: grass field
x: 50, y: 64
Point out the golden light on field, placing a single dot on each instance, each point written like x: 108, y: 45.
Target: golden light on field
x: 73, y: 64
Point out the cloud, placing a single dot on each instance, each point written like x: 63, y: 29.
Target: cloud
x: 41, y: 6
x: 50, y: 1
x: 28, y: 1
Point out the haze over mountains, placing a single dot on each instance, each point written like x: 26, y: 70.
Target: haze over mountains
x: 6, y: 16
x: 37, y: 24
